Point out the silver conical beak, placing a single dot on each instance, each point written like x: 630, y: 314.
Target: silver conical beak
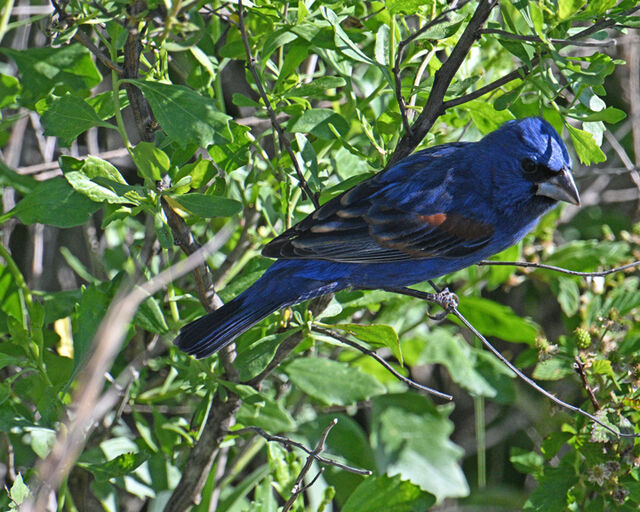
x: 560, y: 187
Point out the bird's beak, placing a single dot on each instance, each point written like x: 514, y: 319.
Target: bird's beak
x: 560, y: 187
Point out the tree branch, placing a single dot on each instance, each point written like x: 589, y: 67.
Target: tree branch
x: 529, y: 264
x: 448, y: 301
x: 435, y: 106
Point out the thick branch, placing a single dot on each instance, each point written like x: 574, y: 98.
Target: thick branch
x: 442, y: 79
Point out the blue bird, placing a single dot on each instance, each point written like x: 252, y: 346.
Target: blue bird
x: 433, y: 213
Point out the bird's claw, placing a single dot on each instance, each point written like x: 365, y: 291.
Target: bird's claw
x: 448, y: 300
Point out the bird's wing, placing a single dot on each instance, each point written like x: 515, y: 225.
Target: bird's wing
x: 385, y: 219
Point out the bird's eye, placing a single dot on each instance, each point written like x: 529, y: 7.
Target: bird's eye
x: 529, y: 165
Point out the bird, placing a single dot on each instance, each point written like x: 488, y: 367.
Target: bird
x: 435, y: 212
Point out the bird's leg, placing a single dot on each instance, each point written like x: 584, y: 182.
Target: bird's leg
x: 444, y: 298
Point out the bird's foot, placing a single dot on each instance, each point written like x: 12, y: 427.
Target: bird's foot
x: 447, y: 299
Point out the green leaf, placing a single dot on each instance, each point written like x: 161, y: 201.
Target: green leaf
x: 586, y: 148
x: 317, y: 87
x: 150, y: 317
x: 208, y: 206
x: 110, y: 188
x: 259, y: 410
x: 375, y: 335
x: 121, y: 465
x: 9, y: 90
x: 568, y: 294
x: 332, y: 382
x: 388, y: 494
x: 19, y: 491
x: 103, y: 105
x: 186, y: 116
x: 69, y: 116
x: 56, y: 203
x: 493, y: 319
x: 551, y: 493
x: 567, y: 8
x: 525, y: 461
x: 253, y: 358
x: 408, y: 7
x: 411, y: 437
x: 151, y: 161
x: 587, y: 255
x: 486, y: 117
x: 610, y: 115
x: 44, y: 68
x: 41, y: 440
x: 441, y: 347
x: 316, y: 121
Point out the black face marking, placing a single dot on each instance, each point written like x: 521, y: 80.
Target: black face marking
x: 536, y: 172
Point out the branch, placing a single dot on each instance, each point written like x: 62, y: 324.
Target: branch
x: 289, y: 443
x: 558, y: 42
x: 435, y: 106
x: 524, y: 70
x: 298, y: 488
x: 579, y: 367
x: 85, y: 41
x: 529, y: 264
x: 441, y: 18
x: 282, y: 137
x: 372, y: 353
x: 106, y: 344
x: 448, y: 301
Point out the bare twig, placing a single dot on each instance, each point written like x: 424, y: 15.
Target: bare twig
x: 443, y: 299
x: 372, y: 353
x: 282, y: 137
x: 289, y: 443
x: 558, y: 42
x: 529, y: 264
x: 298, y: 488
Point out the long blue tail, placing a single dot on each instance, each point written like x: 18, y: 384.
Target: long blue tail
x: 279, y: 287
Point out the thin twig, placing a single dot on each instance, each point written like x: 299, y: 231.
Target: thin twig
x: 372, y: 353
x: 529, y: 264
x: 450, y: 305
x: 579, y: 367
x: 289, y: 443
x: 298, y: 488
x: 558, y: 42
x: 282, y: 137
x: 525, y: 69
x: 85, y: 41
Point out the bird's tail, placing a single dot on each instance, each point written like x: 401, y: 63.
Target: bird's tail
x: 274, y: 290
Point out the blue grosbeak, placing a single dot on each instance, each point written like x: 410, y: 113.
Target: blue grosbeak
x: 433, y: 213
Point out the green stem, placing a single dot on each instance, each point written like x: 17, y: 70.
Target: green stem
x: 4, y: 17
x: 19, y: 278
x: 115, y: 81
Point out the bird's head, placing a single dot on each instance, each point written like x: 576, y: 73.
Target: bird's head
x: 539, y: 159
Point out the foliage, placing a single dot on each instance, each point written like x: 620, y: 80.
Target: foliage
x: 343, y: 88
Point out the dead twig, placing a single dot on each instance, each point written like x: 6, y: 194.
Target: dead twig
x: 290, y: 443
